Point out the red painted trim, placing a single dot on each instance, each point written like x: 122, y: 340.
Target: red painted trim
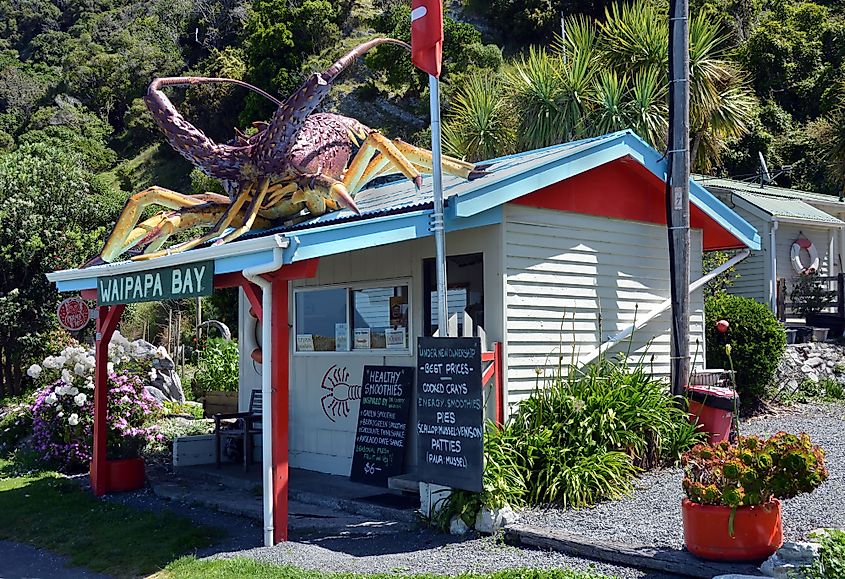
x: 252, y: 293
x: 299, y: 270
x: 89, y: 294
x: 107, y: 319
x: 623, y: 189
x: 500, y: 383
x: 280, y: 372
x: 227, y: 280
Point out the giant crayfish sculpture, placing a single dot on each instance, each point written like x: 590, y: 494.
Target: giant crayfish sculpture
x: 299, y: 161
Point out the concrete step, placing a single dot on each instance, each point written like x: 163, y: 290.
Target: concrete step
x: 336, y: 493
x: 303, y: 517
x: 406, y: 483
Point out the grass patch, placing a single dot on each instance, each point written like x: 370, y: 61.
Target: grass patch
x: 189, y: 567
x: 52, y: 512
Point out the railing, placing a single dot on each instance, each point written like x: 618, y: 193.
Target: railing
x: 834, y: 283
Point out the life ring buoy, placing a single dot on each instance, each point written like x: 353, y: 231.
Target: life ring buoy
x: 795, y: 255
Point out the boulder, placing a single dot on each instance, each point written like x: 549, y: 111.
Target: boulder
x: 790, y: 559
x: 167, y: 380
x: 489, y: 521
x: 457, y: 526
x: 156, y: 393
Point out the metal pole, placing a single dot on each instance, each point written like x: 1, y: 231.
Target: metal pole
x: 677, y: 189
x: 437, y: 218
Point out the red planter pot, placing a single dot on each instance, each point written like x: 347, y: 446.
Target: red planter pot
x: 758, y: 531
x: 126, y: 474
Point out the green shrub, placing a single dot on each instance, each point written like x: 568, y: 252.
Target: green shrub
x: 15, y: 423
x: 757, y: 343
x: 580, y: 440
x: 217, y: 367
x: 831, y: 561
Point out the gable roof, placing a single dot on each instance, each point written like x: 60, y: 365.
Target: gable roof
x: 398, y: 212
x: 781, y: 203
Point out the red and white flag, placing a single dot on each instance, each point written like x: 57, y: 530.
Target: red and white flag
x: 427, y: 35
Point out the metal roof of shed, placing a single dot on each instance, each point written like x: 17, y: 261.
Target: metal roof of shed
x: 779, y: 202
x: 397, y: 211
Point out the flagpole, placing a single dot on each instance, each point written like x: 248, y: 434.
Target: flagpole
x: 437, y: 218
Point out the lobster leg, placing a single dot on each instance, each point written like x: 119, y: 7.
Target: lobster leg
x: 127, y: 233
x: 356, y: 176
x: 423, y: 158
x: 251, y: 213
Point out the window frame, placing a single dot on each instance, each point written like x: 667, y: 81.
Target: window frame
x: 349, y: 288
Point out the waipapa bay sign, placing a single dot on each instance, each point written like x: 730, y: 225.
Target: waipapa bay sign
x: 167, y: 283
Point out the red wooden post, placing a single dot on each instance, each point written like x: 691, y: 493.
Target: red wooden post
x: 107, y: 319
x: 500, y: 382
x: 280, y: 404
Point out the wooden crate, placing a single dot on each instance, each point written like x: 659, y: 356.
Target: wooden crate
x: 220, y: 402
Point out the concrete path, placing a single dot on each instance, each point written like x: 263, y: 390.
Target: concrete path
x: 19, y: 561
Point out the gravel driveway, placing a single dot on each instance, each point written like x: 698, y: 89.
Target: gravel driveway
x: 652, y: 515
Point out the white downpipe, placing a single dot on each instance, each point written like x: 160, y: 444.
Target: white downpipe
x: 254, y: 274
x: 593, y: 354
x: 773, y: 257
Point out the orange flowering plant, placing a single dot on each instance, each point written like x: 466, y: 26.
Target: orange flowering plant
x: 753, y: 471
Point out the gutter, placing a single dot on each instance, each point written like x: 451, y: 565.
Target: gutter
x: 595, y: 353
x: 773, y: 258
x: 214, y: 252
x: 254, y: 274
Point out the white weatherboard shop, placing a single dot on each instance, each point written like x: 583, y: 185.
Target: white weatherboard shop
x: 553, y: 254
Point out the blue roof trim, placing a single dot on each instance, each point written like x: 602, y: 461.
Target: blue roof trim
x: 708, y: 203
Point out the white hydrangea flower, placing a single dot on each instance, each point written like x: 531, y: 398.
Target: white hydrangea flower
x: 51, y: 398
x: 61, y: 414
x: 66, y: 376
x: 110, y: 367
x: 60, y: 360
x: 73, y: 419
x: 34, y: 371
x: 89, y: 383
x: 80, y: 369
x: 80, y: 399
x: 73, y: 390
x: 51, y: 363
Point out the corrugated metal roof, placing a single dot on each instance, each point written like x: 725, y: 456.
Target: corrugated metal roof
x: 787, y: 209
x: 401, y: 196
x: 768, y: 190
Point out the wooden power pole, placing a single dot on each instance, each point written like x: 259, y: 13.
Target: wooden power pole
x: 677, y: 190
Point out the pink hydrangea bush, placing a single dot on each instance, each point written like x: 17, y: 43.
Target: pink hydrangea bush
x: 63, y: 411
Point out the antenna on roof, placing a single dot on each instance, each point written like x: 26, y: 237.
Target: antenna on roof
x: 765, y: 176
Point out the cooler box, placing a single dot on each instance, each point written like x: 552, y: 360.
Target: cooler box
x: 712, y: 407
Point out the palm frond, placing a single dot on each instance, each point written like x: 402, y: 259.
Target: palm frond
x: 647, y: 107
x: 478, y: 125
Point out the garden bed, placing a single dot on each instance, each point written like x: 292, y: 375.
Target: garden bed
x: 652, y: 514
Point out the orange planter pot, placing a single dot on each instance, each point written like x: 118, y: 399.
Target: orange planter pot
x: 758, y: 531
x: 124, y: 475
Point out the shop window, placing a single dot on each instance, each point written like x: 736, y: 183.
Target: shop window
x: 380, y: 318
x: 321, y: 324
x: 344, y: 319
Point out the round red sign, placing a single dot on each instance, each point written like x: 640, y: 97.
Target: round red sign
x: 73, y: 314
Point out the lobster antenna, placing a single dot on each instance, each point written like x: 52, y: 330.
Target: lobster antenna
x: 191, y: 80
x: 360, y: 50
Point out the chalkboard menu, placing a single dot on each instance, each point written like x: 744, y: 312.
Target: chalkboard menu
x: 450, y: 415
x: 382, y: 424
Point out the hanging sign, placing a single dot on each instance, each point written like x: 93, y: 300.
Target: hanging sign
x: 167, y: 283
x: 382, y: 424
x: 450, y: 412
x: 73, y: 314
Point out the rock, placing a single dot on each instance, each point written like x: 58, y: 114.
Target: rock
x: 509, y: 516
x: 156, y: 393
x: 457, y: 526
x: 167, y: 380
x: 486, y: 521
x: 798, y: 552
x: 814, y: 361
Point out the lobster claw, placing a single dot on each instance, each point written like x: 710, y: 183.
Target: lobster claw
x: 343, y: 197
